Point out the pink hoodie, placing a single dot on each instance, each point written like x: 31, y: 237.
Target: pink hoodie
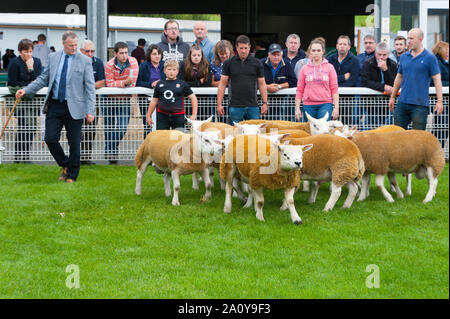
x: 317, y: 84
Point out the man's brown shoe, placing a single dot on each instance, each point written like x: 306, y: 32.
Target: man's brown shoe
x: 63, y: 175
x: 69, y: 180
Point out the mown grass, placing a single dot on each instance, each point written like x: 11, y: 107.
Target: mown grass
x: 129, y: 246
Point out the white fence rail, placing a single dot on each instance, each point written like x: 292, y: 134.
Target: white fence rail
x: 120, y: 125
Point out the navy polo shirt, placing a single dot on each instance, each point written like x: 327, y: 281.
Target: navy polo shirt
x: 99, y: 69
x: 417, y: 73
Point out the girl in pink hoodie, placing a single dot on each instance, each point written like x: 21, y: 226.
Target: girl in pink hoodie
x: 317, y: 85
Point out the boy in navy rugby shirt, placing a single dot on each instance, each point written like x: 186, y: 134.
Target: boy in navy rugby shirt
x: 168, y: 99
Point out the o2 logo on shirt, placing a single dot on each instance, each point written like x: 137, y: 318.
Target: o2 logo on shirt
x: 168, y: 95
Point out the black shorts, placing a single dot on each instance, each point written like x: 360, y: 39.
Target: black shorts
x: 169, y: 121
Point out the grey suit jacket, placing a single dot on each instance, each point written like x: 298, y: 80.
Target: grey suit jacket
x: 80, y: 89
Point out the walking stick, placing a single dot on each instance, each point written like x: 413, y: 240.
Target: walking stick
x: 9, y: 117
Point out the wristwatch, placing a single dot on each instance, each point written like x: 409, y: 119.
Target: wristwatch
x: 279, y: 87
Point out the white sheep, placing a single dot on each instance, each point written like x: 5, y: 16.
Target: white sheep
x: 175, y: 153
x: 262, y: 164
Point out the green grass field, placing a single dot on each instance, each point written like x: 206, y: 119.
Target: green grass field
x: 129, y: 246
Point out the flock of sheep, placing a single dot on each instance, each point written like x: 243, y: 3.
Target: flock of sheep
x: 258, y: 154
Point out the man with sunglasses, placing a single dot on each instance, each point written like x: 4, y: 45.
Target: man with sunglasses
x: 88, y: 132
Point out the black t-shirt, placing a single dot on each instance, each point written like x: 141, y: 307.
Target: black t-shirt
x: 243, y: 87
x: 171, y: 95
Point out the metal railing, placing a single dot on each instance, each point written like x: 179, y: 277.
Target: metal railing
x: 120, y: 128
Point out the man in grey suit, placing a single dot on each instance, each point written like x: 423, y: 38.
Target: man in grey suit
x: 70, y: 98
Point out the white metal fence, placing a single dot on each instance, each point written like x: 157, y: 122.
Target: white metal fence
x: 120, y: 125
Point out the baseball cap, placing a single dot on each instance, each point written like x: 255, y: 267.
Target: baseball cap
x: 275, y: 47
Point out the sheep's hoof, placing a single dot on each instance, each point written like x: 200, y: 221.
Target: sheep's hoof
x: 400, y: 196
x: 227, y: 210
x: 327, y: 209
x: 195, y: 187
x: 283, y: 207
x: 175, y: 203
x: 408, y: 193
x: 261, y: 218
x: 298, y: 222
x: 204, y: 199
x: 247, y: 205
x: 168, y: 194
x: 137, y: 192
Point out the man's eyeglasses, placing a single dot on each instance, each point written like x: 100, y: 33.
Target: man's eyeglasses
x: 172, y: 29
x: 89, y: 51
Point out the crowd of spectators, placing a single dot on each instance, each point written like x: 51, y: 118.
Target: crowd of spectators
x: 207, y: 64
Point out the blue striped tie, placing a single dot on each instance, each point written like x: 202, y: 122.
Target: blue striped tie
x: 62, y: 81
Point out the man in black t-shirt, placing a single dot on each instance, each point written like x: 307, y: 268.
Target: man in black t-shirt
x: 168, y: 99
x: 245, y: 74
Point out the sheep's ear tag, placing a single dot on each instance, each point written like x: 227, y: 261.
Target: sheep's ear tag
x: 219, y: 142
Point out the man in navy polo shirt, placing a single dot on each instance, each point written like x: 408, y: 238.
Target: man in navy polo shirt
x: 88, y: 134
x: 416, y: 68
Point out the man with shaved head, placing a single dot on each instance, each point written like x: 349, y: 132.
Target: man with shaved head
x: 200, y: 31
x: 416, y: 68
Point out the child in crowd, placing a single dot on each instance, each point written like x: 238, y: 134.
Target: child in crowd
x: 168, y: 99
x: 195, y: 69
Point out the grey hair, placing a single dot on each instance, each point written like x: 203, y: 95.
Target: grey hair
x: 382, y: 46
x: 69, y: 34
x: 370, y: 36
x: 294, y: 36
x: 86, y: 43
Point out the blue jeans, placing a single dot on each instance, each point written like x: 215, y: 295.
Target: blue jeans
x: 238, y: 114
x: 358, y: 111
x: 116, y: 119
x: 317, y: 111
x: 407, y: 113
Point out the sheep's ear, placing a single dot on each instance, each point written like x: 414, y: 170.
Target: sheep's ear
x: 188, y: 119
x: 237, y: 124
x: 220, y: 142
x: 286, y: 135
x: 355, y: 128
x: 307, y: 147
x: 263, y: 125
x: 286, y: 142
x: 209, y: 119
x: 325, y: 117
x: 310, y: 118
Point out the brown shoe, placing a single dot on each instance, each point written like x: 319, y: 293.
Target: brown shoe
x: 63, y: 175
x: 69, y: 180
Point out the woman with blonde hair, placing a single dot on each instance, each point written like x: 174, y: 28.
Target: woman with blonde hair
x: 223, y: 50
x: 440, y: 50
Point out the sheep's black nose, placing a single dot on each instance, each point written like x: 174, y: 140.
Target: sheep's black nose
x: 299, y: 164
